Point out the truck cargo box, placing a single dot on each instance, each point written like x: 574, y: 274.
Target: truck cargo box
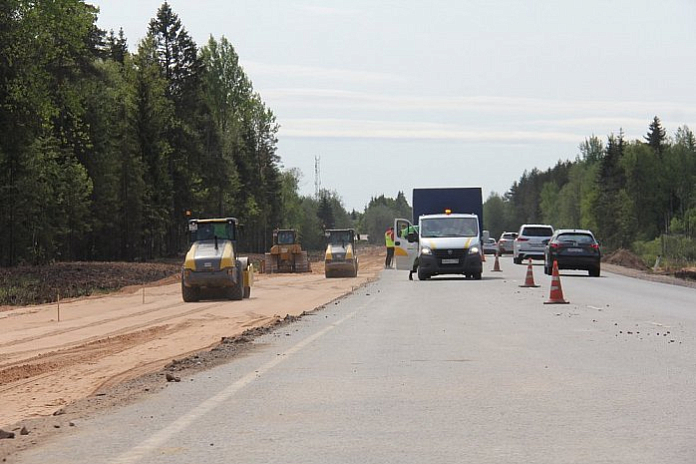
x: 467, y: 200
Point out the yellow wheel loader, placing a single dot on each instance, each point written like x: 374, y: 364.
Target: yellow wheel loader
x: 286, y: 254
x: 213, y: 266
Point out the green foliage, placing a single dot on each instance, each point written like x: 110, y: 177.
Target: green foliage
x: 633, y: 194
x: 673, y: 250
x: 103, y: 153
x: 380, y: 214
x: 376, y: 221
x: 498, y: 216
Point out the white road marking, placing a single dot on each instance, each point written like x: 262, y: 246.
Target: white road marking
x: 137, y: 453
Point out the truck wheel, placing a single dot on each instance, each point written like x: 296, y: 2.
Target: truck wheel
x: 247, y: 292
x: 422, y: 275
x: 236, y: 291
x: 517, y: 260
x: 189, y: 294
x: 476, y: 276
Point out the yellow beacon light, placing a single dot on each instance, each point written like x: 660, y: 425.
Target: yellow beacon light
x: 448, y: 211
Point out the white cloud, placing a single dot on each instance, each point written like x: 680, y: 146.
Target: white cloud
x: 309, y: 97
x: 370, y: 129
x: 256, y: 68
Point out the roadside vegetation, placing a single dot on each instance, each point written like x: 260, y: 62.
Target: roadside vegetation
x: 638, y: 195
x: 106, y: 152
x: 28, y: 285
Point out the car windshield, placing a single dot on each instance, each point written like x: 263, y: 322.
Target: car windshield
x: 580, y: 239
x: 537, y: 231
x: 509, y: 236
x: 449, y: 227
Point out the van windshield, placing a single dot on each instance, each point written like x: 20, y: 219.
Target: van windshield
x: 449, y: 227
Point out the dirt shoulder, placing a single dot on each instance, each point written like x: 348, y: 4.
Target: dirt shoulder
x: 111, y: 349
x: 648, y: 275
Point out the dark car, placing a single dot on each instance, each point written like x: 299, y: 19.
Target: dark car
x: 573, y: 249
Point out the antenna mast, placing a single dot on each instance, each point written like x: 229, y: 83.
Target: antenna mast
x: 317, y: 176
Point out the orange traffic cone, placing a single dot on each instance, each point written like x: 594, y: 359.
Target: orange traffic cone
x: 529, y: 280
x: 556, y: 296
x: 496, y: 265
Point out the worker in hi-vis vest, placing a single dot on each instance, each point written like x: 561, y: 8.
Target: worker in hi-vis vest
x: 389, y: 241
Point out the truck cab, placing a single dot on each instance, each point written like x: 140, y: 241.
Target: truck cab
x: 446, y: 243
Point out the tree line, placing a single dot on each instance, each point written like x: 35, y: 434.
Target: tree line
x: 105, y: 153
x: 631, y: 193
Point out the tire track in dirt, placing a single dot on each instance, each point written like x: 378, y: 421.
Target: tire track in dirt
x: 55, y: 361
x: 120, y: 331
x: 94, y: 324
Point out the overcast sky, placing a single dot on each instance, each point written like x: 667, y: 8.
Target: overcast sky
x: 393, y: 95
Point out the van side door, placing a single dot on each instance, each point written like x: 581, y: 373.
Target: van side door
x: 405, y: 252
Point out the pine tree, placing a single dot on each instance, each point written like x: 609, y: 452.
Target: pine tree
x: 610, y: 181
x: 177, y: 56
x: 117, y: 46
x: 656, y: 136
x: 325, y: 212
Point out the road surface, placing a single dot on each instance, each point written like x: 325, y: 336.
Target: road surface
x: 445, y: 371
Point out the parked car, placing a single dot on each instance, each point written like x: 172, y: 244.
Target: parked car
x: 530, y: 242
x: 506, y: 242
x: 573, y: 249
x: 490, y: 246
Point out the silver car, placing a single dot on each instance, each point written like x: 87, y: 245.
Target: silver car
x: 531, y: 242
x: 506, y: 242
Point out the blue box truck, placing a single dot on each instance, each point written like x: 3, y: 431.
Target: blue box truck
x: 447, y: 239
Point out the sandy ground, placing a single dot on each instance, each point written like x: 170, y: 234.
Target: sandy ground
x: 47, y: 363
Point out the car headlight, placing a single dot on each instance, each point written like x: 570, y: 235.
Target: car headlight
x: 473, y: 250
x: 426, y: 251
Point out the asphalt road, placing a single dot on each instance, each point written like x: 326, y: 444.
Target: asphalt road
x: 444, y: 371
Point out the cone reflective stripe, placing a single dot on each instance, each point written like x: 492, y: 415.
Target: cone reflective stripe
x: 556, y: 295
x: 529, y: 281
x: 496, y: 266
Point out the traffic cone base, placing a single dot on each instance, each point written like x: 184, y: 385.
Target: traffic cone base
x: 556, y: 294
x: 529, y: 280
x: 496, y: 265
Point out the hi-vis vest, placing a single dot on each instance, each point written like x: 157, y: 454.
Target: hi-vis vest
x: 388, y: 239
